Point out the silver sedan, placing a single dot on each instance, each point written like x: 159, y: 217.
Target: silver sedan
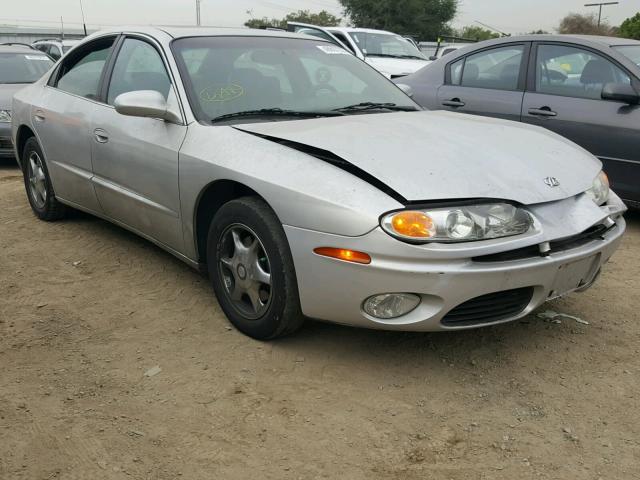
x: 308, y: 185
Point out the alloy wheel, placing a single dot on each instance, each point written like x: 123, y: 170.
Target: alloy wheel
x: 245, y: 271
x: 37, y: 180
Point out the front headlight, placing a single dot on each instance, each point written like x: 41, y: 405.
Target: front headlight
x: 458, y: 224
x: 599, y: 191
x: 5, y: 116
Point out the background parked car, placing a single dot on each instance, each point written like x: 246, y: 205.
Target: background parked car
x: 584, y: 88
x: 55, y: 48
x: 392, y: 55
x: 19, y: 66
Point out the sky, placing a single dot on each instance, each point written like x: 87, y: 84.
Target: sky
x: 509, y: 16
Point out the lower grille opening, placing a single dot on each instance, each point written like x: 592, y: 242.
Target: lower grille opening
x: 594, y: 233
x: 489, y: 308
x: 5, y: 143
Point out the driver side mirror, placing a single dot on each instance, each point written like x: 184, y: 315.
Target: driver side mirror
x: 146, y: 103
x: 620, y: 92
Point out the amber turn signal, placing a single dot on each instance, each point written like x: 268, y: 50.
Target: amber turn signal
x: 343, y: 254
x: 412, y: 224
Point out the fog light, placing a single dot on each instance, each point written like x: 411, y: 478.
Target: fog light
x: 391, y: 305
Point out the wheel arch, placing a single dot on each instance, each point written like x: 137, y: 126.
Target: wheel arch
x: 211, y: 198
x: 23, y: 134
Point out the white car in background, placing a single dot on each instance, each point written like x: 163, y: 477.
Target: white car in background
x: 391, y: 54
x: 54, y: 47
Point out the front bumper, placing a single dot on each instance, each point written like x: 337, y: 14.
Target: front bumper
x: 6, y: 144
x: 447, y: 276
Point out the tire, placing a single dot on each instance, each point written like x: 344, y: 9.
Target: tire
x: 38, y: 184
x: 246, y: 242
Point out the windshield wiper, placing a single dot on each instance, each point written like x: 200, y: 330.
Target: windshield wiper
x: 275, y: 112
x: 360, y: 107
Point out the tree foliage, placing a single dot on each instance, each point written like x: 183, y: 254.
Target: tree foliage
x: 577, y: 23
x: 322, y: 19
x: 630, y: 28
x: 422, y: 19
x: 476, y: 33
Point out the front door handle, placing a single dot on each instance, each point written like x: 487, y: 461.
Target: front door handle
x: 454, y: 102
x: 100, y: 135
x: 542, y: 112
x: 38, y: 116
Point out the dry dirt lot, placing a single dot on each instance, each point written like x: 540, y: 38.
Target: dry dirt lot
x: 87, y: 308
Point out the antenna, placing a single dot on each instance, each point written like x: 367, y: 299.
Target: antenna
x: 62, y: 26
x: 198, y: 12
x: 84, y: 25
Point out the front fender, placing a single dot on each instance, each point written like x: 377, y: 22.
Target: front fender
x: 304, y: 192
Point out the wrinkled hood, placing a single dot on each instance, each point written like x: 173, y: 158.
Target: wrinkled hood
x: 6, y: 93
x: 396, y: 66
x: 444, y: 155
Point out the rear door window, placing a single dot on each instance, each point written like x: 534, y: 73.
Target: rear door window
x: 81, y: 71
x: 497, y: 69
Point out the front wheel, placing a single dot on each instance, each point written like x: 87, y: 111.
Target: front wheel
x: 252, y: 270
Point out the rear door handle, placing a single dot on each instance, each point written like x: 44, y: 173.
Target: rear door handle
x: 542, y: 112
x: 100, y: 135
x: 38, y: 116
x: 454, y: 102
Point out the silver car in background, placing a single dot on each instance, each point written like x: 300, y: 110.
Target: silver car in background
x: 308, y: 185
x: 20, y: 65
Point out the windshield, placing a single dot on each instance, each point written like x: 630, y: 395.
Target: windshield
x: 385, y: 45
x: 228, y: 75
x: 23, y: 67
x: 632, y: 52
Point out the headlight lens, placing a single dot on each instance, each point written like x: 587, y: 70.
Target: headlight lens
x: 599, y: 191
x: 5, y: 116
x: 458, y: 224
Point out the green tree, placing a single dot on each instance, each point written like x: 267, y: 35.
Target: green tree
x: 539, y: 32
x: 630, y: 28
x: 423, y: 19
x: 577, y: 23
x: 477, y: 33
x: 322, y: 19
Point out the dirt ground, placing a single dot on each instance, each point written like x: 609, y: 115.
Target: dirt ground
x: 87, y: 308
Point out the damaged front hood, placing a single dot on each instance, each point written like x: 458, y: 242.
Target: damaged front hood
x: 443, y: 155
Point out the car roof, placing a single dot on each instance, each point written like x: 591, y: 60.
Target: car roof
x: 70, y: 41
x: 19, y: 49
x: 186, y: 31
x: 363, y: 30
x: 589, y: 40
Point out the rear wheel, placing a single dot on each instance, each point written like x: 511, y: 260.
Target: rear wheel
x: 252, y: 270
x: 38, y: 184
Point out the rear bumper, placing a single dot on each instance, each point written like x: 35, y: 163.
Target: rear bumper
x: 334, y: 290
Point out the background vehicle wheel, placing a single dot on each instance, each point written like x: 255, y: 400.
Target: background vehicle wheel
x: 252, y: 270
x: 38, y: 184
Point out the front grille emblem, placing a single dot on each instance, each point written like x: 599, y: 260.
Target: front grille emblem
x: 552, y: 182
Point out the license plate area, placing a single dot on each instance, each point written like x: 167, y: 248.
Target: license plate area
x: 574, y: 275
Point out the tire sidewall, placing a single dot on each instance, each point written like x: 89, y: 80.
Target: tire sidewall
x: 30, y: 146
x: 284, y: 292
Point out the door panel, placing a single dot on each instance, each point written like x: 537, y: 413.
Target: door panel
x: 481, y: 101
x: 63, y: 120
x: 489, y: 82
x: 135, y: 160
x: 63, y: 124
x: 609, y: 130
x: 566, y: 98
